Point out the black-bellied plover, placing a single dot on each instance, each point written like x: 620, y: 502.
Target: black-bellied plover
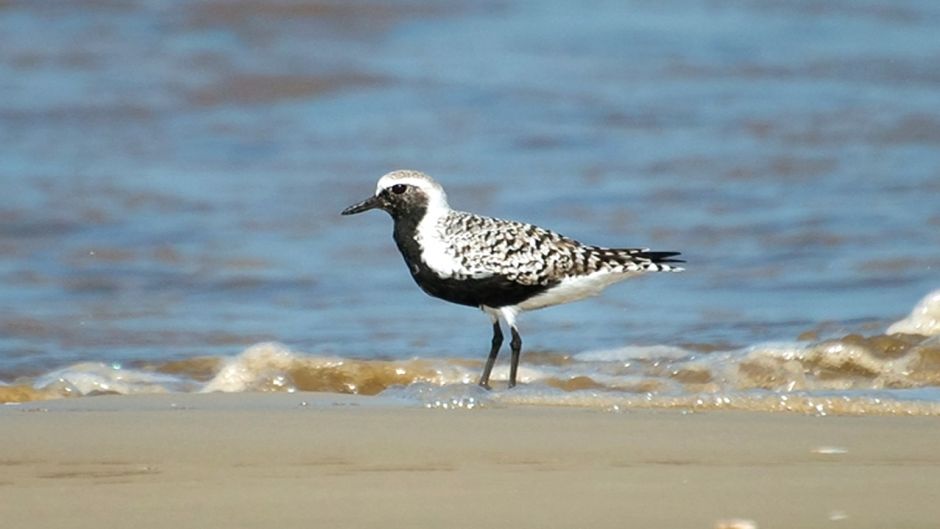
x: 500, y: 266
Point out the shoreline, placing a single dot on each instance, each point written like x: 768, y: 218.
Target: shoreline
x: 321, y: 460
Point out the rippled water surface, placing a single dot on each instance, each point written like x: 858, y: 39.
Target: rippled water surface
x: 172, y: 174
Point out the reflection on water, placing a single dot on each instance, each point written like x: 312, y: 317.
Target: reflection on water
x: 172, y: 176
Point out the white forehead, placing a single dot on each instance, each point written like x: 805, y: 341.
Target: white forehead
x: 413, y: 178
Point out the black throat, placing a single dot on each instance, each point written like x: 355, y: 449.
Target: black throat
x: 493, y: 291
x: 405, y: 230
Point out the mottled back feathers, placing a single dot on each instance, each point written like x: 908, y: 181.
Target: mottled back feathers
x: 531, y: 255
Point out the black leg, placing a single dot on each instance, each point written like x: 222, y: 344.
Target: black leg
x: 516, y: 345
x: 494, y: 350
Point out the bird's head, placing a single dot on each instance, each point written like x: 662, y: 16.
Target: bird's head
x: 402, y: 193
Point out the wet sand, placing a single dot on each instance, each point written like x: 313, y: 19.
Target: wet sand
x: 317, y: 460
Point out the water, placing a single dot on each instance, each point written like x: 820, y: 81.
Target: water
x: 173, y: 173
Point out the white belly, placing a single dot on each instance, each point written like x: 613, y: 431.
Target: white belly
x: 575, y: 288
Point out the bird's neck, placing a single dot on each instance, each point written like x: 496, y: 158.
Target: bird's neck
x: 407, y: 225
x: 418, y: 237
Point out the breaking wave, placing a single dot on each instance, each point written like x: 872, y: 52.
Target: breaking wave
x: 897, y: 372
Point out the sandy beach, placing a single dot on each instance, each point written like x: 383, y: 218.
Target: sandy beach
x: 317, y: 460
x: 192, y: 335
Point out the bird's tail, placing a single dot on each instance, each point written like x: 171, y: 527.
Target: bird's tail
x: 641, y: 259
x: 661, y: 261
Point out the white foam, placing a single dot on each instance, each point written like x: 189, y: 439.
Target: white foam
x: 779, y: 350
x: 851, y: 375
x: 241, y: 373
x: 811, y: 367
x: 267, y: 367
x: 94, y: 377
x: 634, y: 352
x: 923, y: 320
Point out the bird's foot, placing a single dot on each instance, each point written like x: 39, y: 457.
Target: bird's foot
x: 485, y: 385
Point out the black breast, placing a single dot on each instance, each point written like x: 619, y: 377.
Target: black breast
x: 493, y: 291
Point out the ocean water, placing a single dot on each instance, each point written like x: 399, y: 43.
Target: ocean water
x: 172, y: 174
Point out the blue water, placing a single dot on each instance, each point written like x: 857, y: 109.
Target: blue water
x: 172, y: 172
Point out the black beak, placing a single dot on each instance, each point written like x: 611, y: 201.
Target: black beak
x: 367, y: 204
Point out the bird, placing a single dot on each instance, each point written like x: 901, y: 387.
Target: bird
x: 502, y: 267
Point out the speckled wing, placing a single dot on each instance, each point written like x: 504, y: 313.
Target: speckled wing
x: 529, y: 255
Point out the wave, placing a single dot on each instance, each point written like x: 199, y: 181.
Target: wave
x: 897, y: 372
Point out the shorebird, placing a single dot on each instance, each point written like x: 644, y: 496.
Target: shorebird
x: 500, y: 266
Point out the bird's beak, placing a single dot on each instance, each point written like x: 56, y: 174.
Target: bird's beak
x: 367, y: 204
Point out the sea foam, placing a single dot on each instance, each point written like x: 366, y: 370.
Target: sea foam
x: 891, y: 373
x: 924, y: 319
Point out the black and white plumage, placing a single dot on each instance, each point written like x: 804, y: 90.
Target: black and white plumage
x: 502, y: 267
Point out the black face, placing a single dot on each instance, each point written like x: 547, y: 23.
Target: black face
x: 399, y: 200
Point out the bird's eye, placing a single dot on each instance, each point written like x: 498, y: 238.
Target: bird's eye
x: 399, y: 188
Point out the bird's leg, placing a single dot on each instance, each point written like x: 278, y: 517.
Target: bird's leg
x: 494, y: 350
x: 516, y: 345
